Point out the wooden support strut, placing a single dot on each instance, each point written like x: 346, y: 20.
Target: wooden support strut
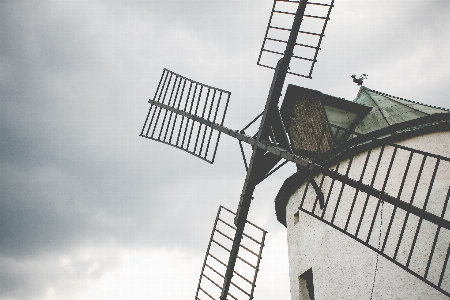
x: 257, y: 155
x: 283, y: 153
x: 258, y: 164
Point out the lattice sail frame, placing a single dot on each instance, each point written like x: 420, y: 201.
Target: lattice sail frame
x: 311, y: 32
x: 407, y: 222
x: 215, y: 262
x: 176, y: 92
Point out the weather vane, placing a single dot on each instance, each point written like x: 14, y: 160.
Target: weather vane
x: 360, y: 80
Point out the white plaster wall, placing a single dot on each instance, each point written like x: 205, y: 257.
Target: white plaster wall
x: 344, y: 268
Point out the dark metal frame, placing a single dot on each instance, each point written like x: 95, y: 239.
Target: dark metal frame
x: 259, y: 162
x: 265, y: 155
x: 317, y: 47
x: 170, y: 94
x: 248, y: 290
x: 268, y: 145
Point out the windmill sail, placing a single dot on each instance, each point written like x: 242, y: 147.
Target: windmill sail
x: 310, y: 35
x: 200, y: 103
x: 217, y: 254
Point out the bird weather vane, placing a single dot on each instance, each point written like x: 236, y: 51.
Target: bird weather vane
x: 359, y: 81
x: 189, y: 115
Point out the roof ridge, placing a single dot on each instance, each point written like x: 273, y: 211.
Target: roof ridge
x: 379, y: 108
x: 415, y: 102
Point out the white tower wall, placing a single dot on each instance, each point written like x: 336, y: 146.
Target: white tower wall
x: 344, y: 268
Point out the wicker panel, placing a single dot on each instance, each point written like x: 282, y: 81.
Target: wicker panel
x: 306, y: 126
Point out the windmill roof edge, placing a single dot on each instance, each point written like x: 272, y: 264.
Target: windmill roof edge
x: 390, y: 110
x: 432, y: 123
x: 399, y: 98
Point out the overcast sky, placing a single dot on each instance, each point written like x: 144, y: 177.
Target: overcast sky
x: 90, y: 210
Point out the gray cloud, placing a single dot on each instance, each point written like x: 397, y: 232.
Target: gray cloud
x: 74, y: 80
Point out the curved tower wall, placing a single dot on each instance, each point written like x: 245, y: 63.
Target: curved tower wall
x: 344, y: 268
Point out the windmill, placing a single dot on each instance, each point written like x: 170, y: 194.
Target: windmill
x: 189, y: 115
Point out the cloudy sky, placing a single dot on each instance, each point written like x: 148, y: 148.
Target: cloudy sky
x: 90, y: 210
